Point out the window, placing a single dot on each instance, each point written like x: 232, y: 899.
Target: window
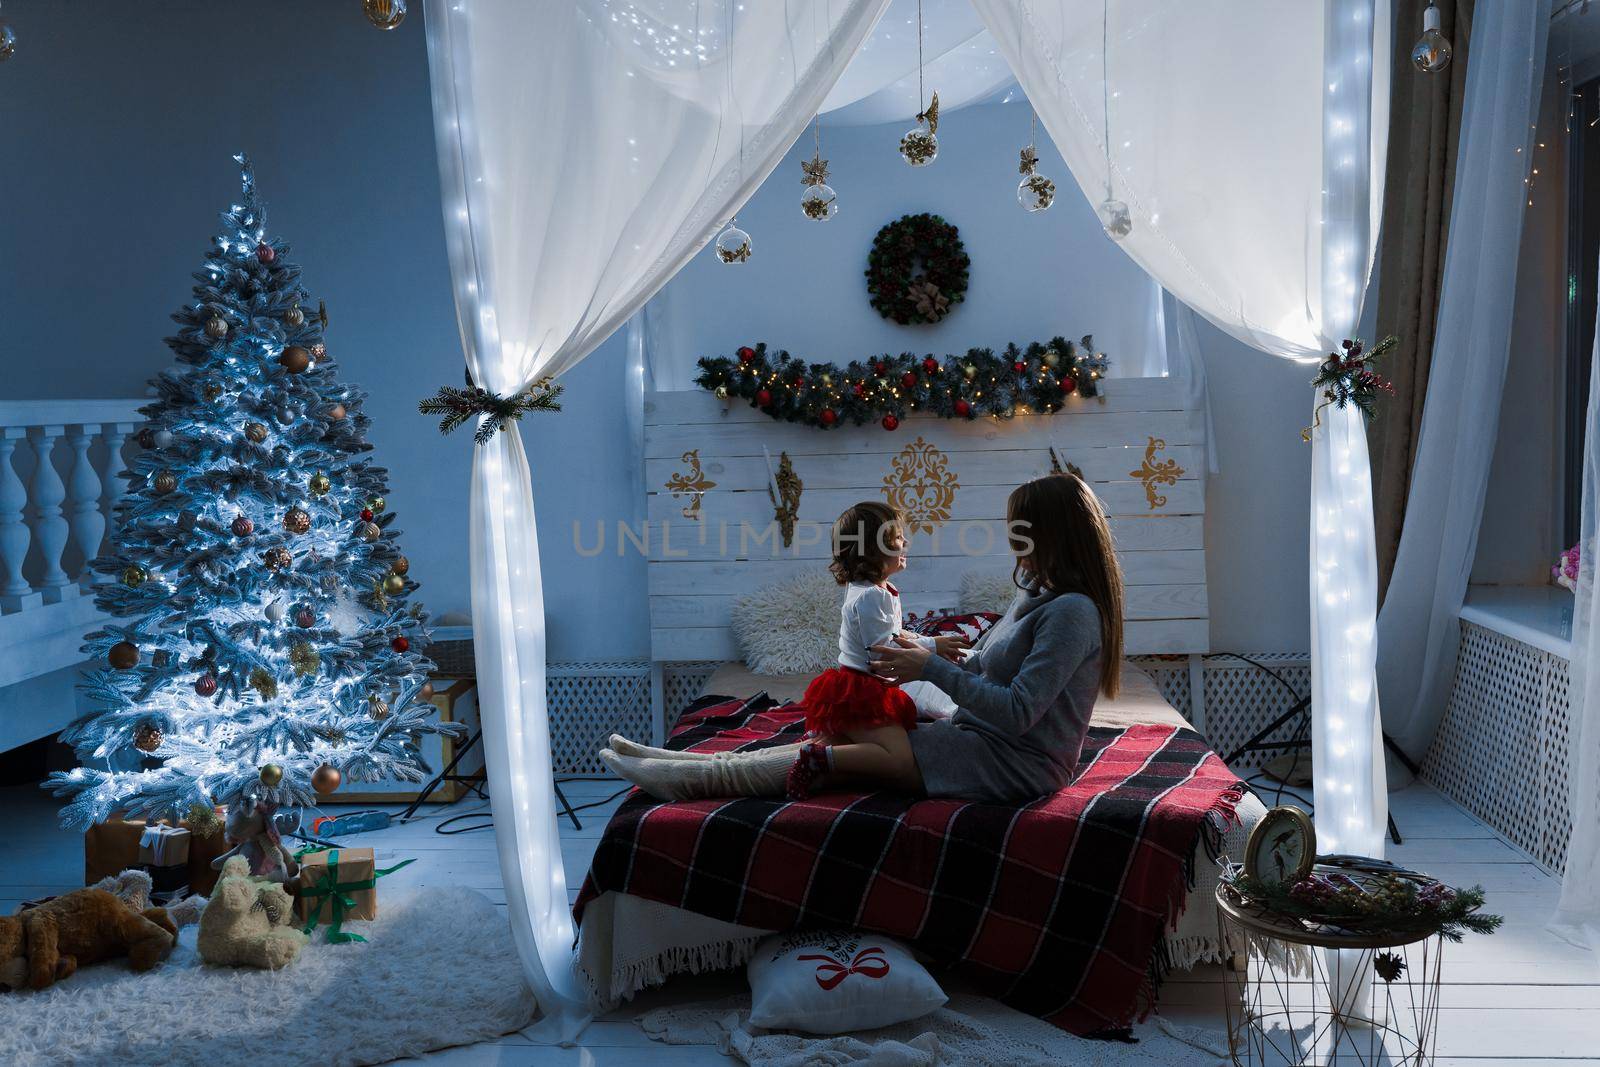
x: 1583, y: 272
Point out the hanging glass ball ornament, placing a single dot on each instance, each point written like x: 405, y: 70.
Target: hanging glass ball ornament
x: 384, y: 14
x: 1035, y: 192
x: 1115, y: 218
x: 1432, y: 52
x: 819, y: 202
x: 8, y: 41
x: 733, y: 244
x: 920, y: 145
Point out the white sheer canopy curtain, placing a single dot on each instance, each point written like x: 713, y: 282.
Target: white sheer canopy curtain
x: 1419, y: 630
x: 1578, y: 914
x: 586, y: 149
x: 1247, y: 141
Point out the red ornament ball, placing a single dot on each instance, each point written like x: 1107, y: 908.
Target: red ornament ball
x: 930, y: 365
x: 747, y: 354
x: 828, y: 417
x: 859, y: 390
x: 305, y: 618
x: 908, y: 380
x: 880, y: 367
x: 206, y: 684
x: 890, y: 422
x: 963, y: 409
x: 366, y: 514
x: 400, y: 644
x: 1019, y: 366
x: 265, y: 252
x: 243, y: 527
x: 1069, y: 384
x: 764, y: 397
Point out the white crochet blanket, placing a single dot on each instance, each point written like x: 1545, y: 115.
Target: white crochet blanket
x: 628, y: 943
x: 971, y: 1031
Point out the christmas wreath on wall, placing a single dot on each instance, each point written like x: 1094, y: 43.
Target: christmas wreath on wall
x: 884, y: 388
x: 899, y: 290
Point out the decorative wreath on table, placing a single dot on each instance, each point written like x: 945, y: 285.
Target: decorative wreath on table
x: 902, y: 293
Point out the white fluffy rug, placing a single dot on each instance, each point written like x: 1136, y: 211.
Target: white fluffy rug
x: 970, y: 1031
x: 438, y: 969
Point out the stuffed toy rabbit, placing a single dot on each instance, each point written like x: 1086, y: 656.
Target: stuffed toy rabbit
x: 252, y: 830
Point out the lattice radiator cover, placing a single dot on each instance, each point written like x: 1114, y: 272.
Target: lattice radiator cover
x: 1501, y: 751
x: 1239, y: 697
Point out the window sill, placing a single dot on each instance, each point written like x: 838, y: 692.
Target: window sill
x: 1537, y: 615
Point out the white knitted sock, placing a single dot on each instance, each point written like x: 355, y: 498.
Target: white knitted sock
x: 623, y: 747
x: 741, y: 774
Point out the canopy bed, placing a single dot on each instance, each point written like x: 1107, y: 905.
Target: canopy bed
x: 672, y: 114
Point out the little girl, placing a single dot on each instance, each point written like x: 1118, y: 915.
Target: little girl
x: 848, y: 703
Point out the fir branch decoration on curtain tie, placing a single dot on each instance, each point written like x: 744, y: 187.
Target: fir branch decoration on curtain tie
x: 458, y: 405
x: 1347, y: 377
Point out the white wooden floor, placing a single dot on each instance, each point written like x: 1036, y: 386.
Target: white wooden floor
x: 1521, y: 996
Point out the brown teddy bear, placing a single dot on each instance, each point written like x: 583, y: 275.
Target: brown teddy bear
x: 86, y: 926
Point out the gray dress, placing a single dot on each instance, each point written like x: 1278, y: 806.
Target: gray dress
x: 1024, y: 699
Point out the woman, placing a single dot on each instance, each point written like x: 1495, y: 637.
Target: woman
x: 1024, y: 695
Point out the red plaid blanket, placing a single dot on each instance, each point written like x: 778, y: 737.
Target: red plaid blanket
x: 1057, y: 907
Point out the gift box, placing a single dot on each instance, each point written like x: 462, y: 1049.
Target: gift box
x: 164, y: 852
x: 338, y: 885
x: 113, y: 846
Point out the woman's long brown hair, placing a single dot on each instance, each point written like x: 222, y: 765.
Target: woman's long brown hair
x: 1059, y: 533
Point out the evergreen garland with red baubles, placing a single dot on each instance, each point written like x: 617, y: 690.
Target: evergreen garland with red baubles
x: 884, y: 389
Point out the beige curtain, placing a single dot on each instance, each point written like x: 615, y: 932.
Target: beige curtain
x: 1424, y: 132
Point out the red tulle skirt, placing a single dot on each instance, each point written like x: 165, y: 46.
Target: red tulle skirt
x: 841, y: 699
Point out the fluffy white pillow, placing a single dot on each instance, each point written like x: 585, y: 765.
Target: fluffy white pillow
x: 792, y: 627
x: 987, y: 591
x: 835, y: 982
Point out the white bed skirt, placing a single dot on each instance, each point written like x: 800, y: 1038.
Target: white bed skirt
x: 627, y: 943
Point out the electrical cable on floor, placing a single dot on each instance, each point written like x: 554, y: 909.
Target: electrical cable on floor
x: 488, y: 824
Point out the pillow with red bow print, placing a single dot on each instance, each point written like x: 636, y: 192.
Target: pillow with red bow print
x: 835, y: 982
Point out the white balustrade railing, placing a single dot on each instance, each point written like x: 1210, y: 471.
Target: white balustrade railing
x: 60, y: 462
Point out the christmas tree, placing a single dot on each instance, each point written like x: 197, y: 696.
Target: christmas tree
x: 261, y: 644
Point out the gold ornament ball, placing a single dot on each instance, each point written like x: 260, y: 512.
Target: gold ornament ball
x: 271, y: 775
x: 377, y: 708
x: 400, y: 566
x: 394, y: 585
x: 336, y: 413
x: 320, y: 483
x: 277, y: 558
x: 376, y: 504
x: 217, y: 327
x: 325, y: 779
x: 123, y: 655
x: 369, y: 531
x: 295, y: 317
x: 1051, y: 357
x: 384, y: 14
x: 970, y: 370
x: 134, y: 576
x: 166, y: 482
x: 296, y: 520
x: 147, y: 738
x: 255, y: 431
x: 295, y: 359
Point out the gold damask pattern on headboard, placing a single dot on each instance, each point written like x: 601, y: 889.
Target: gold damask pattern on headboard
x: 1152, y: 473
x: 921, y: 486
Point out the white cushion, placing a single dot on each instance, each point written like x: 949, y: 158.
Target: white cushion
x: 791, y: 627
x: 835, y: 982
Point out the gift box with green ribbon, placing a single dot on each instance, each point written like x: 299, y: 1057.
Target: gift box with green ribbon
x: 338, y: 885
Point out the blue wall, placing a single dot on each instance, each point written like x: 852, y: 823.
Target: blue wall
x: 119, y: 121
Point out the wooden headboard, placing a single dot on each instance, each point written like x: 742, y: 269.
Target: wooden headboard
x: 707, y: 479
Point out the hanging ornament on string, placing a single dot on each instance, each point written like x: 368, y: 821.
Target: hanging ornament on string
x: 819, y: 202
x: 1432, y: 52
x: 733, y: 244
x: 384, y: 14
x: 920, y: 145
x: 1115, y: 218
x: 1035, y: 192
